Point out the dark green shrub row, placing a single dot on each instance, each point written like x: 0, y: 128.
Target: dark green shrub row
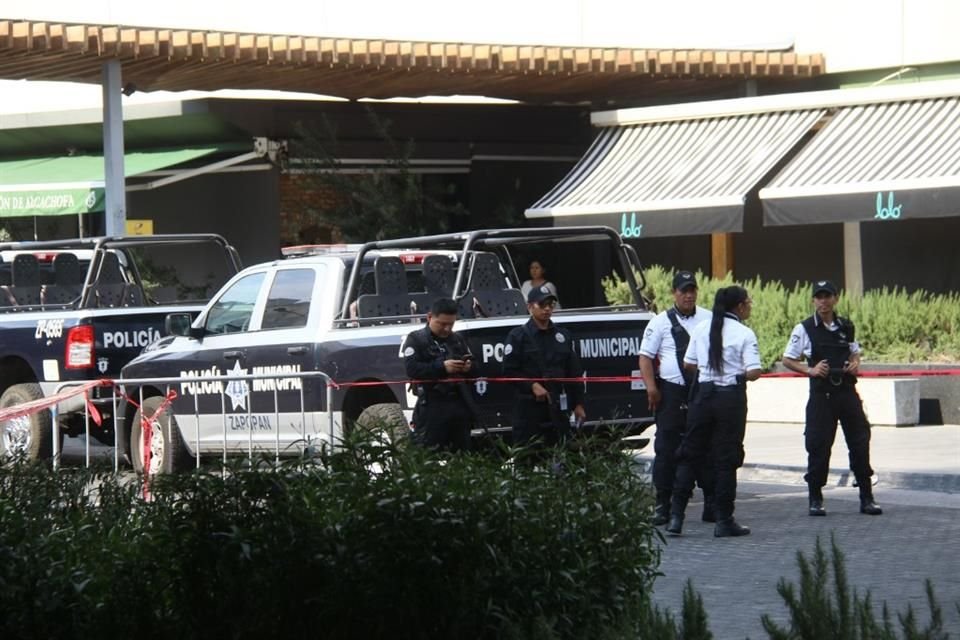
x: 369, y: 545
x: 361, y: 544
x: 892, y: 325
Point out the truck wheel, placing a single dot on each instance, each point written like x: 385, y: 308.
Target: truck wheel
x: 28, y: 436
x: 386, y: 418
x: 168, y: 454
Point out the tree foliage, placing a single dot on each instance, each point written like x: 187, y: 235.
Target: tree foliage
x: 372, y: 203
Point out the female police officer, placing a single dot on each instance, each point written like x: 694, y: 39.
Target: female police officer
x: 726, y: 355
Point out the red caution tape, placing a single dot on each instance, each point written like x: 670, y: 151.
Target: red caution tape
x: 891, y: 373
x: 35, y: 406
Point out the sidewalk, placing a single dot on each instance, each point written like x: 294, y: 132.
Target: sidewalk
x: 923, y: 458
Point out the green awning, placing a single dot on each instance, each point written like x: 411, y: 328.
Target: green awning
x: 67, y: 185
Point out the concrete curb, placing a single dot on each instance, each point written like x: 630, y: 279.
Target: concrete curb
x: 786, y: 474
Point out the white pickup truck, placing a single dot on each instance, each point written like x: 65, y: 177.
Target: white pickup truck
x: 345, y: 312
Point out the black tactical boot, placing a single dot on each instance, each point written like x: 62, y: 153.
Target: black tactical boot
x: 677, y: 508
x: 661, y: 513
x: 729, y: 527
x: 708, y: 514
x: 816, y: 502
x: 867, y: 505
x: 676, y: 524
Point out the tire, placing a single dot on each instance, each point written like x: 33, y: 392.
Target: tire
x: 385, y: 418
x: 168, y: 452
x: 28, y: 436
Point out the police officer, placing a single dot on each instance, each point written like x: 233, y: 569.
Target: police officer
x: 541, y: 350
x: 725, y: 353
x: 665, y: 340
x: 439, y: 358
x: 823, y: 348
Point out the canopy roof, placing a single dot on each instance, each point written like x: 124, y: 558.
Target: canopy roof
x: 177, y: 60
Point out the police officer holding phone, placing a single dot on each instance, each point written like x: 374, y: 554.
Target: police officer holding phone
x: 439, y: 359
x: 540, y: 350
x: 668, y: 385
x: 823, y: 348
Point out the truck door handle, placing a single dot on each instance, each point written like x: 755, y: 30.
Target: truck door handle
x: 297, y: 351
x: 231, y: 355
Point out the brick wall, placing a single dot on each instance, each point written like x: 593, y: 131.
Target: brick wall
x: 301, y: 201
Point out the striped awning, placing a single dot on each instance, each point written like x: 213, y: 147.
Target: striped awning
x: 886, y: 161
x: 686, y: 177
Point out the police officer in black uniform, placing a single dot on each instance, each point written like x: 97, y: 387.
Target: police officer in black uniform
x: 444, y: 413
x: 541, y: 350
x: 823, y: 348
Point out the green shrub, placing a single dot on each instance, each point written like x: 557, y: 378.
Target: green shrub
x: 365, y: 543
x: 819, y: 612
x: 892, y: 325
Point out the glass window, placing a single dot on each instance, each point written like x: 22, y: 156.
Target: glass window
x: 231, y: 312
x: 289, y: 300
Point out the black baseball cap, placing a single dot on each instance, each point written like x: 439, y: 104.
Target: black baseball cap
x: 683, y: 280
x: 820, y: 286
x: 539, y: 294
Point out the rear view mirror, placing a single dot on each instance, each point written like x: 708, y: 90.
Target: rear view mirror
x: 178, y: 324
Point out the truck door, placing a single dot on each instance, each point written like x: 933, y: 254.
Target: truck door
x: 281, y: 344
x: 204, y: 407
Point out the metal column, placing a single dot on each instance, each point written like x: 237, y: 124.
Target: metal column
x: 115, y: 185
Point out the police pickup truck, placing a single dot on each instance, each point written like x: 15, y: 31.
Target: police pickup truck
x: 345, y: 312
x: 77, y: 310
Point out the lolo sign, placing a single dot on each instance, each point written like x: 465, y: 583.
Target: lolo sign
x: 889, y: 212
x: 633, y: 230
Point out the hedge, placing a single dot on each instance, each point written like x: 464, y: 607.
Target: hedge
x: 892, y: 325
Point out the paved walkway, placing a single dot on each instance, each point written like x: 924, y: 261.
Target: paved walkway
x: 890, y: 555
x: 918, y: 486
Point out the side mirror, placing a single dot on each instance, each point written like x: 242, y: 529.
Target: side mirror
x: 178, y: 324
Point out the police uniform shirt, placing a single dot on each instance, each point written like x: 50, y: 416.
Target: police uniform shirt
x: 658, y: 341
x: 424, y: 353
x: 741, y: 353
x: 799, y: 346
x: 529, y: 350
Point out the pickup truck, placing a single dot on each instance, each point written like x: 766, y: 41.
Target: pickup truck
x: 78, y: 310
x: 345, y: 312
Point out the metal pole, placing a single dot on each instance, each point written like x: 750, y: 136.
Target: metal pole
x: 330, y: 409
x: 115, y: 207
x: 55, y: 427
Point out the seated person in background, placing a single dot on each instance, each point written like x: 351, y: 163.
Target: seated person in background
x: 538, y: 278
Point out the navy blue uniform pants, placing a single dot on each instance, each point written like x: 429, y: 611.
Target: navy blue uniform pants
x: 824, y: 409
x: 443, y: 421
x: 536, y: 420
x: 671, y: 418
x: 716, y: 425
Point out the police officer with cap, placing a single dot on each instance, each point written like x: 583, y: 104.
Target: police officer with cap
x: 665, y: 341
x: 540, y: 350
x: 823, y: 347
x: 439, y: 359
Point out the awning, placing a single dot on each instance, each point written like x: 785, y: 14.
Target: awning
x: 686, y: 177
x: 68, y: 185
x: 889, y: 161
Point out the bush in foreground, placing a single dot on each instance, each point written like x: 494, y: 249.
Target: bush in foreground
x: 373, y: 543
x: 824, y: 611
x: 365, y: 543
